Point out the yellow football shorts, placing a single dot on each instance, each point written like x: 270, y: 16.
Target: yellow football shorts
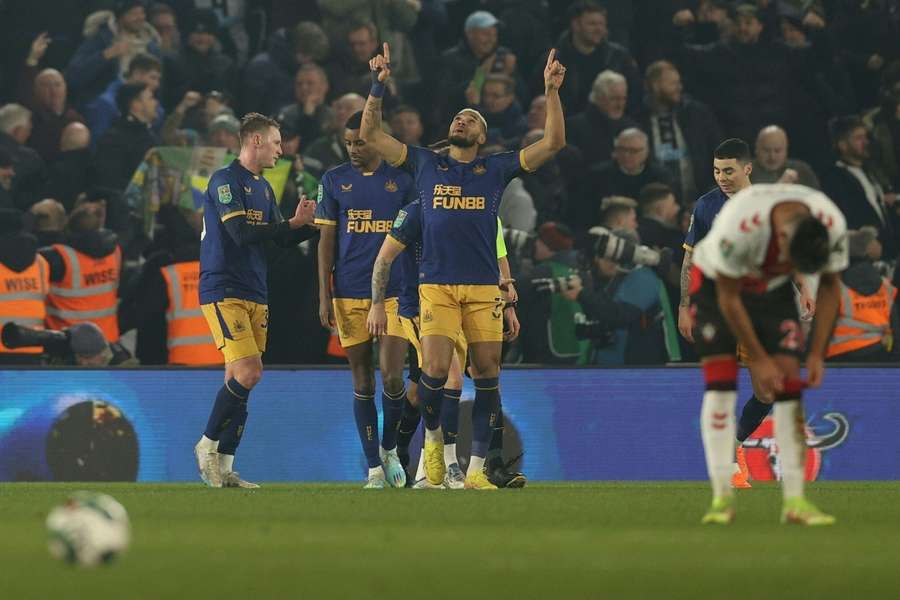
x: 351, y: 314
x: 411, y: 329
x: 238, y: 327
x: 476, y: 310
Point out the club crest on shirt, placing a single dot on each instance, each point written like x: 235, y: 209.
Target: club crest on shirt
x: 479, y: 170
x: 248, y: 190
x: 390, y: 186
x: 224, y: 192
x: 442, y: 168
x: 346, y: 187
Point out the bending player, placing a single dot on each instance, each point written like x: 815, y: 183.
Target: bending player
x: 741, y: 292
x: 460, y: 194
x: 357, y: 204
x: 239, y: 216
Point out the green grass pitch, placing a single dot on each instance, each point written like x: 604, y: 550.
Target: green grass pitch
x: 547, y: 541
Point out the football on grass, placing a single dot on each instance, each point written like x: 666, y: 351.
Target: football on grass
x: 89, y: 529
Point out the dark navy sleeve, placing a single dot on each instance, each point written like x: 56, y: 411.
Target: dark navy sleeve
x: 698, y: 228
x: 413, y: 159
x: 327, y: 209
x: 509, y: 164
x: 407, y: 228
x: 224, y: 192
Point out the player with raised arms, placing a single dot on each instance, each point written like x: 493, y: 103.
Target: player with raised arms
x: 358, y: 202
x: 741, y: 292
x: 239, y: 216
x: 460, y: 197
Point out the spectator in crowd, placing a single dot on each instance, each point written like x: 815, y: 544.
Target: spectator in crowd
x: 517, y: 207
x: 349, y: 72
x: 626, y: 175
x: 549, y: 337
x: 464, y: 67
x: 100, y: 112
x: 72, y: 172
x: 857, y: 193
x: 745, y: 79
x: 49, y: 222
x: 406, y: 124
x: 586, y: 52
x: 266, y: 84
x: 91, y: 252
x: 158, y: 307
x: 126, y: 142
x: 503, y: 113
x: 28, y: 171
x: 884, y: 126
x: 593, y: 130
x: 619, y: 212
x: 90, y: 348
x: 329, y: 149
x: 309, y: 114
x: 163, y: 19
x: 224, y: 132
x: 868, y: 310
x: 537, y: 113
x: 200, y: 66
x: 391, y: 20
x: 111, y: 41
x: 658, y: 224
x: 7, y: 173
x: 25, y: 285
x: 683, y: 132
x: 772, y: 163
x: 548, y: 186
x: 44, y: 93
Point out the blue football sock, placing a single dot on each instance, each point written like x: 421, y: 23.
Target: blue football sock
x: 392, y: 409
x: 228, y: 401
x: 450, y: 415
x: 230, y: 439
x: 752, y: 415
x: 367, y: 425
x: 484, y: 414
x: 431, y: 395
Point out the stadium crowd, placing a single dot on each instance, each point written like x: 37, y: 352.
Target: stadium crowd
x: 89, y: 88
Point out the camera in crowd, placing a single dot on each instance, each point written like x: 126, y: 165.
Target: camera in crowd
x: 81, y: 344
x: 594, y: 330
x: 625, y: 252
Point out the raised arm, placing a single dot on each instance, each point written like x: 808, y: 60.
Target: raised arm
x: 388, y: 147
x: 554, y: 138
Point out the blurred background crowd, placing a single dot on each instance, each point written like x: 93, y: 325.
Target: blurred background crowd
x: 88, y: 90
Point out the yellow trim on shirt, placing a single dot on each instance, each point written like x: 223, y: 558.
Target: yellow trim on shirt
x: 686, y: 247
x: 325, y: 222
x: 402, y: 158
x: 230, y: 215
x: 522, y: 162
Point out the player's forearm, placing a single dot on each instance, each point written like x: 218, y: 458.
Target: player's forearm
x: 503, y: 264
x: 554, y: 123
x: 381, y: 272
x: 293, y: 237
x: 827, y: 307
x: 371, y: 119
x: 244, y: 233
x: 686, y: 279
x: 326, y: 261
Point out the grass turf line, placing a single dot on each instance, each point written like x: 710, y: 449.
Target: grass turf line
x: 591, y: 540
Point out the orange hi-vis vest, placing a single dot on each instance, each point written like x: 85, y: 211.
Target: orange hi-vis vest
x: 189, y: 339
x: 862, y: 320
x: 22, y: 299
x: 87, y: 292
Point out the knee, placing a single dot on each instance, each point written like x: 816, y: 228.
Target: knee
x: 392, y: 383
x: 434, y: 369
x: 248, y: 376
x: 454, y: 380
x: 364, y: 383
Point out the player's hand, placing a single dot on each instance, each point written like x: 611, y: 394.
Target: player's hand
x: 376, y: 322
x: 554, y: 72
x: 381, y: 64
x: 305, y: 213
x: 38, y: 49
x: 686, y: 323
x: 815, y: 370
x: 326, y: 311
x: 511, y: 331
x: 768, y: 375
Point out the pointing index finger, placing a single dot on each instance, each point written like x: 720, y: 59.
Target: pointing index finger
x: 387, y: 52
x: 551, y: 57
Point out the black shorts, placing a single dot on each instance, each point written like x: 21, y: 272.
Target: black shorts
x: 773, y: 314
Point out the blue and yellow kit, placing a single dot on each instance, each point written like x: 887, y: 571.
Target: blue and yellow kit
x: 362, y: 206
x: 705, y: 211
x: 233, y: 291
x: 458, y: 272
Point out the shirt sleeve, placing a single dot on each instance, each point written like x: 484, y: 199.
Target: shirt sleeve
x: 225, y: 194
x: 509, y: 163
x: 407, y: 227
x: 327, y: 209
x: 501, y: 243
x: 412, y: 158
x: 697, y: 230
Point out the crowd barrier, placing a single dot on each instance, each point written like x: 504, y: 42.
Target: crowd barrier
x: 571, y: 424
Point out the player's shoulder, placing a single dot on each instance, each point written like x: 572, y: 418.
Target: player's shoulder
x: 396, y: 173
x: 337, y: 172
x: 714, y: 198
x: 223, y: 175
